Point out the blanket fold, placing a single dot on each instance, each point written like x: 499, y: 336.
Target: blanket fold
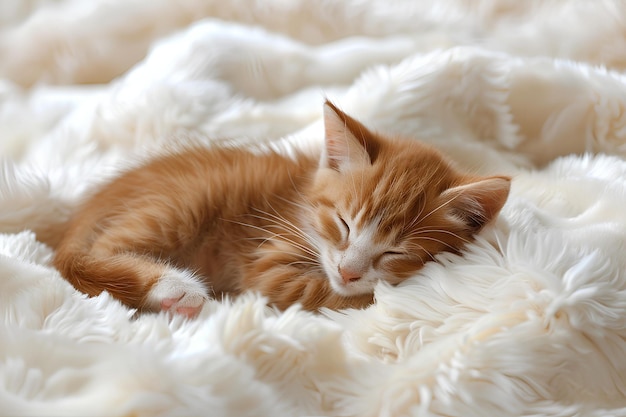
x: 529, y: 320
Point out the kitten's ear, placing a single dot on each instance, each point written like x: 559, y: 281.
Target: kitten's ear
x: 347, y: 141
x: 477, y: 203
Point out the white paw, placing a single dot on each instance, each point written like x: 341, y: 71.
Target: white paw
x: 179, y: 292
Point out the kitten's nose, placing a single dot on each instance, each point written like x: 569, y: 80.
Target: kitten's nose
x: 349, y: 276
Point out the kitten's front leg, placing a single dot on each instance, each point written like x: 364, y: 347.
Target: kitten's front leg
x: 278, y: 277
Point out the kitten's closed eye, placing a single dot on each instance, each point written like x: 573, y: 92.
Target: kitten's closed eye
x: 293, y: 235
x: 345, y: 225
x: 345, y: 232
x: 389, y: 256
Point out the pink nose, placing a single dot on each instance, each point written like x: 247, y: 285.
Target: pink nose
x: 349, y: 276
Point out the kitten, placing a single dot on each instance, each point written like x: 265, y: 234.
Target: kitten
x: 317, y: 231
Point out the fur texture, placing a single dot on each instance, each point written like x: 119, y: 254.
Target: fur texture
x: 527, y: 321
x: 321, y: 233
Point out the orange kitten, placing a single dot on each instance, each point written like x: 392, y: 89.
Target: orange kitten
x: 206, y: 222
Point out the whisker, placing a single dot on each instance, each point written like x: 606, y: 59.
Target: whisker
x: 419, y: 233
x: 302, y: 263
x: 417, y: 219
x: 420, y: 247
x: 311, y: 250
x: 302, y: 196
x: 275, y: 235
x: 439, y: 241
x: 294, y: 254
x: 445, y: 203
x: 288, y: 224
x: 283, y: 223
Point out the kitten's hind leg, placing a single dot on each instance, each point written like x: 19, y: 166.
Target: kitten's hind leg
x: 138, y: 281
x: 130, y: 251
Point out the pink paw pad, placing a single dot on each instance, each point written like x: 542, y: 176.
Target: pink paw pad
x: 178, y: 292
x: 169, y: 304
x: 166, y: 303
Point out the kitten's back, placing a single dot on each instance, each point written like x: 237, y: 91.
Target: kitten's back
x: 169, y: 212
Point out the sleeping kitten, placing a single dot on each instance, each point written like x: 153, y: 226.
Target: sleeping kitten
x: 317, y: 231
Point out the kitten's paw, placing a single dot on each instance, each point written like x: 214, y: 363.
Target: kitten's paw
x: 178, y: 292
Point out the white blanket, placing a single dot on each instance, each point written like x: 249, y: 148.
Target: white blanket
x: 531, y: 320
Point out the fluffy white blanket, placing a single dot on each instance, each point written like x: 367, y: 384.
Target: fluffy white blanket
x: 530, y: 321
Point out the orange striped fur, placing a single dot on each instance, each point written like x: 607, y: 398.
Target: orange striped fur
x: 318, y: 231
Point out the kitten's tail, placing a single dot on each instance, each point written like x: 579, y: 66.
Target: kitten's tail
x: 126, y: 277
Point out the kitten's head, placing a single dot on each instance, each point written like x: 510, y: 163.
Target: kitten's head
x: 383, y: 206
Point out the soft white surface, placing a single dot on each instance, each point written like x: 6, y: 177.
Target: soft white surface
x: 531, y: 321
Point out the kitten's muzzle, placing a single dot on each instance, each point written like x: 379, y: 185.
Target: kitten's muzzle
x: 348, y: 275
